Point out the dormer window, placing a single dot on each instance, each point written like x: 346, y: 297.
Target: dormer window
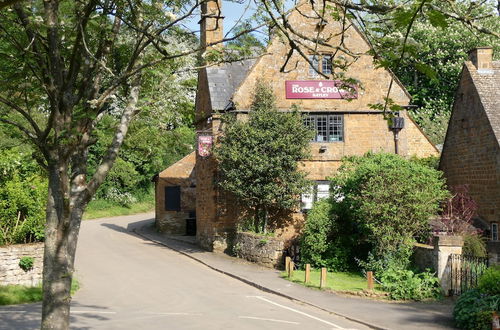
x: 322, y: 63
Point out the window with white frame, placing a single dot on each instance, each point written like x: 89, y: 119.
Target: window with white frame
x: 320, y: 190
x: 494, y: 231
x: 321, y: 63
x: 327, y: 127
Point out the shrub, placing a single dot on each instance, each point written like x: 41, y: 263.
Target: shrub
x: 26, y: 263
x: 319, y: 245
x: 22, y: 209
x: 474, y: 245
x: 387, y: 202
x: 489, y: 282
x: 406, y: 285
x: 473, y: 310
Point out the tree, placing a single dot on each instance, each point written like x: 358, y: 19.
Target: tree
x: 66, y: 65
x: 258, y: 158
x: 438, y: 49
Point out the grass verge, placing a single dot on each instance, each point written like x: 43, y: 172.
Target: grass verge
x: 101, y: 208
x: 337, y: 281
x: 20, y: 294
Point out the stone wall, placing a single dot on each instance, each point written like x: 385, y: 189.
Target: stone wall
x: 11, y: 273
x: 424, y: 257
x: 266, y: 251
x: 494, y: 252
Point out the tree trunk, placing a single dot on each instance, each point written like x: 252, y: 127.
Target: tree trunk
x: 61, y: 235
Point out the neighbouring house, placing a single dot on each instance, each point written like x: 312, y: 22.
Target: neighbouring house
x: 175, y: 193
x: 343, y: 127
x: 471, y: 151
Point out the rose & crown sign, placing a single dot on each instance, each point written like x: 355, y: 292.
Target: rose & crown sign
x: 319, y: 89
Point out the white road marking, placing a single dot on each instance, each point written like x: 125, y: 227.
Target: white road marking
x: 264, y: 319
x: 187, y: 314
x: 92, y: 312
x: 297, y: 311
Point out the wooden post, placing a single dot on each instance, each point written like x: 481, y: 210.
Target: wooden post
x: 308, y: 273
x: 322, y: 280
x: 369, y: 277
x: 290, y: 269
x: 287, y: 264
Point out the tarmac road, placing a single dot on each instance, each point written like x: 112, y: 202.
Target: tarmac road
x: 131, y: 283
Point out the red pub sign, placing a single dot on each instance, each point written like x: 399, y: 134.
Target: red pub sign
x: 319, y: 89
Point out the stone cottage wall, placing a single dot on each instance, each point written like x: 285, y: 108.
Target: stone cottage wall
x: 471, y: 154
x: 266, y: 251
x: 364, y: 129
x: 11, y: 273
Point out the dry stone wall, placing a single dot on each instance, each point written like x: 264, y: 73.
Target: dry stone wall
x: 11, y: 273
x: 266, y: 251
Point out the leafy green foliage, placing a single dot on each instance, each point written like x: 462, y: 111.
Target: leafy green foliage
x: 26, y: 263
x: 319, y: 246
x: 23, y: 194
x: 403, y: 284
x: 386, y: 202
x: 473, y: 310
x: 489, y: 282
x: 435, y: 52
x: 258, y: 158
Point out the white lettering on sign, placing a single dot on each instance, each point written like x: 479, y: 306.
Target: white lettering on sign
x: 327, y: 89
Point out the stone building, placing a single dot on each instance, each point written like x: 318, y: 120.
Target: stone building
x: 175, y: 191
x: 344, y: 122
x: 471, y: 151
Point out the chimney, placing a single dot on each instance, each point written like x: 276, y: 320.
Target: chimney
x: 211, y: 23
x: 482, y: 58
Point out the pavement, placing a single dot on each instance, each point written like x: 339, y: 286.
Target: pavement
x: 373, y: 313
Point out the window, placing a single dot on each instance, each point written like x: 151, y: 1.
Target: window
x: 321, y: 62
x: 494, y: 231
x: 173, y: 198
x: 320, y: 190
x: 326, y: 64
x: 314, y: 62
x: 328, y: 128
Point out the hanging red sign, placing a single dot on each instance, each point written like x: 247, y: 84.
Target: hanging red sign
x: 205, y: 145
x: 319, y: 89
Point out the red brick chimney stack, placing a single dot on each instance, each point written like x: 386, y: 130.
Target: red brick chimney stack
x: 211, y: 23
x: 482, y: 58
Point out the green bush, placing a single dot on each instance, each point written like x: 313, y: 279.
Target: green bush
x: 318, y: 245
x: 489, y: 282
x: 26, y: 263
x: 406, y: 285
x: 23, y: 195
x: 386, y: 201
x: 473, y: 310
x: 474, y: 245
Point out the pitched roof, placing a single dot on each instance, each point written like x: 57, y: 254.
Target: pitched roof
x: 183, y: 169
x: 223, y: 80
x: 488, y: 88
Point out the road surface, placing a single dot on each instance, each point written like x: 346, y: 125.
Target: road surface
x: 128, y: 282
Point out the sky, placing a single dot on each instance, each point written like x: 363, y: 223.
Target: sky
x: 231, y: 11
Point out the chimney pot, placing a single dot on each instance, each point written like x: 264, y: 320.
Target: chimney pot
x: 482, y: 58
